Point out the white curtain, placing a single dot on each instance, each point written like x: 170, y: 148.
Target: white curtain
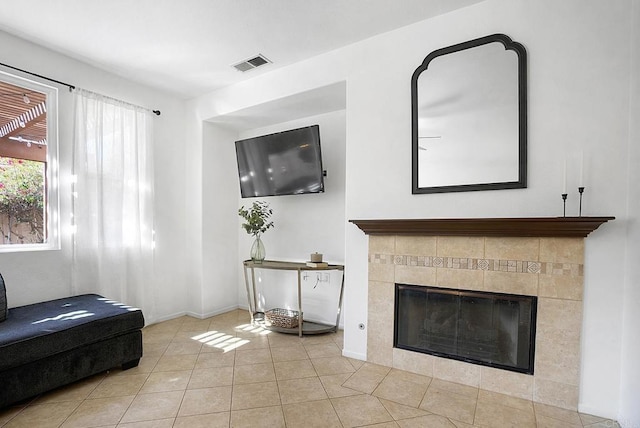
x: 113, y: 201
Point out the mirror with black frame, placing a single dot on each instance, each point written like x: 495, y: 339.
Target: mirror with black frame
x: 469, y: 117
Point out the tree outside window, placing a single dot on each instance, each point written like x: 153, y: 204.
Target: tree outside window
x: 22, y: 204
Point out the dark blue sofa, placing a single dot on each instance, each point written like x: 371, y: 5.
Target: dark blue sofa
x: 54, y: 343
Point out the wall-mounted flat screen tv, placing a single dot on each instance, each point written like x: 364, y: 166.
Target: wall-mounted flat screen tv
x: 284, y: 163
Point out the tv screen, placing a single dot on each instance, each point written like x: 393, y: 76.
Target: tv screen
x: 284, y: 163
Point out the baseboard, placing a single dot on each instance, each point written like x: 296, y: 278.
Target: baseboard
x: 589, y: 410
x: 224, y: 310
x: 354, y: 355
x: 196, y: 315
x: 167, y: 317
x: 214, y: 312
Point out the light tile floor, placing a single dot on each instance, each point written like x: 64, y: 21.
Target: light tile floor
x: 222, y: 372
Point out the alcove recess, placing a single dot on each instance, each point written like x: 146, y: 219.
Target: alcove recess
x: 537, y: 256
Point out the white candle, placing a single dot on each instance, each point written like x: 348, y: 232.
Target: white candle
x: 581, y: 182
x: 564, y: 178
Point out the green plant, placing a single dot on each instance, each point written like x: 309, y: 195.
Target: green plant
x: 256, y: 218
x: 21, y: 200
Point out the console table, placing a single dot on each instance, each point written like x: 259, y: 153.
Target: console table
x: 304, y: 327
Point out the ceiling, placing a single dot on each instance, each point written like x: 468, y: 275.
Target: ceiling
x: 188, y: 47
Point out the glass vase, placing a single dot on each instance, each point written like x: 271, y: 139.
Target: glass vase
x: 258, y: 252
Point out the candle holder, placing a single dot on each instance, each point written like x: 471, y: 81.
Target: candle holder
x: 580, y: 191
x: 564, y: 205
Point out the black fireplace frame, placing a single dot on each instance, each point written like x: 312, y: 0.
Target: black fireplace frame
x: 470, y: 293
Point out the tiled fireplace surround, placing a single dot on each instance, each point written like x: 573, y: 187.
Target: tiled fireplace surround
x: 548, y: 267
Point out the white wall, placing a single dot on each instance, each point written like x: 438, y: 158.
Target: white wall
x: 37, y: 276
x: 630, y: 369
x: 312, y: 222
x: 220, y: 220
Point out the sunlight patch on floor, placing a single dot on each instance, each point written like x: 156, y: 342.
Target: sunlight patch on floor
x: 220, y: 340
x: 253, y: 329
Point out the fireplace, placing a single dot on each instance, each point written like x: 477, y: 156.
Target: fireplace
x: 537, y: 257
x: 491, y: 329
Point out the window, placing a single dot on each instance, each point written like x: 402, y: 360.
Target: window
x: 28, y: 165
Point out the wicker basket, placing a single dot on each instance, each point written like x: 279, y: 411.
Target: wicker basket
x: 284, y: 318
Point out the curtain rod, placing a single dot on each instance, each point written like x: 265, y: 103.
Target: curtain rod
x: 156, y: 112
x: 68, y: 85
x: 71, y: 87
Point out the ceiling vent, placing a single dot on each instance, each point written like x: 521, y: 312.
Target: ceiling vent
x: 251, y: 63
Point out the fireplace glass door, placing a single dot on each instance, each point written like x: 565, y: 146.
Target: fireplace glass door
x: 491, y: 329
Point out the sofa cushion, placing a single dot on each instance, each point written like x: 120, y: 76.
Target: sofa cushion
x: 3, y: 300
x: 43, y: 329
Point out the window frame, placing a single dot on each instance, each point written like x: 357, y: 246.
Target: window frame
x: 51, y: 194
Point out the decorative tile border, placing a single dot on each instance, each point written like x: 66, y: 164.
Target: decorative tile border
x: 495, y: 265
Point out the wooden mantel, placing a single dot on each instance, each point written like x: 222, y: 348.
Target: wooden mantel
x: 547, y: 227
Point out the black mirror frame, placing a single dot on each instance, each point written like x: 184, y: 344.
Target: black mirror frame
x: 522, y: 116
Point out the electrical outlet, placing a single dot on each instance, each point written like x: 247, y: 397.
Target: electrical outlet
x: 317, y: 277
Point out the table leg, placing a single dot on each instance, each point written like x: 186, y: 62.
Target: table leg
x: 340, y: 302
x: 253, y: 282
x: 246, y: 284
x: 300, y: 317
